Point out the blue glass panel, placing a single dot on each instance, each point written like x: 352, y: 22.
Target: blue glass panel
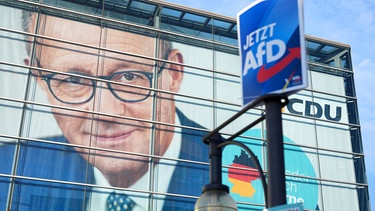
x: 194, y: 18
x: 171, y: 13
x: 235, y: 28
x: 143, y: 6
x: 312, y: 45
x: 117, y: 2
x: 328, y: 49
x: 222, y: 24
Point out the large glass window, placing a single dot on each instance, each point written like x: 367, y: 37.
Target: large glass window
x: 114, y: 97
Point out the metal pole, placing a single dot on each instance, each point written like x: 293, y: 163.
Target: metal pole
x: 215, y: 159
x: 275, y: 153
x: 215, y: 155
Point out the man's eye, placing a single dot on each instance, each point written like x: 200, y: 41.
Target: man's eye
x: 60, y: 83
x: 74, y: 80
x: 129, y: 77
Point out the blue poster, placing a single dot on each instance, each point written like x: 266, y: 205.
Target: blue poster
x: 271, y: 45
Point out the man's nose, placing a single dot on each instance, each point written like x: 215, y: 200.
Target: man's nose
x: 107, y: 102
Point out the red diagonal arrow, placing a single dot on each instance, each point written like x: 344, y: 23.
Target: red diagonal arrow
x: 264, y: 75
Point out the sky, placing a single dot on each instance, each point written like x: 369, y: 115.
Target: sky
x: 344, y: 21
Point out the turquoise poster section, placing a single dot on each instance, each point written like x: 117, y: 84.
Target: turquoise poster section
x: 244, y: 182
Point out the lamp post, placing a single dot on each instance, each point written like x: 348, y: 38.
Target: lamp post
x: 216, y: 195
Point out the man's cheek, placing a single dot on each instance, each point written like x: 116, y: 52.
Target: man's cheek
x: 69, y: 122
x: 140, y: 110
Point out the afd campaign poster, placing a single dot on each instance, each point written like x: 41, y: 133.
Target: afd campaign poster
x: 272, y: 48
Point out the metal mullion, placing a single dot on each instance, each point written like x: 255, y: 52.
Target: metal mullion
x: 119, y: 52
x: 155, y: 30
x: 184, y: 95
x: 103, y: 149
x: 97, y: 113
x: 329, y: 67
x: 94, y: 108
x: 154, y: 117
x: 188, y: 96
x: 22, y: 120
x: 102, y: 80
x: 172, y: 159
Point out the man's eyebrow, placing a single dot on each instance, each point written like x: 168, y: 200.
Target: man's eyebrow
x: 69, y: 70
x: 79, y: 70
x: 132, y: 65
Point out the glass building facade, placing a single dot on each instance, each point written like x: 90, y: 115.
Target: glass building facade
x: 114, y: 96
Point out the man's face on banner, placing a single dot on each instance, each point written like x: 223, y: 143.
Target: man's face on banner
x: 112, y: 131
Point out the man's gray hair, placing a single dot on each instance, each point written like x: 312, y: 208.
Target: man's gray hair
x: 166, y: 46
x: 26, y: 26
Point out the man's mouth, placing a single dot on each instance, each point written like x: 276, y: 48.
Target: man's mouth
x: 108, y: 139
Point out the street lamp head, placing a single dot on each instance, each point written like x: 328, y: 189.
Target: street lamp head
x: 215, y: 199
x: 215, y: 195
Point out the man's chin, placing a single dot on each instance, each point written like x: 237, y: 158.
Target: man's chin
x: 120, y: 168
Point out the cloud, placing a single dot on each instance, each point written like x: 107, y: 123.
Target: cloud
x: 343, y: 21
x: 364, y: 78
x: 366, y: 19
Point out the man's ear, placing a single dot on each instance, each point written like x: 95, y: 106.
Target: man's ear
x: 27, y: 62
x: 176, y: 69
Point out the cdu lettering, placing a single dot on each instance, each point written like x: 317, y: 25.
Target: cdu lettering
x: 313, y: 109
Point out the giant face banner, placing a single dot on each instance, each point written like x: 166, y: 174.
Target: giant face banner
x: 92, y: 114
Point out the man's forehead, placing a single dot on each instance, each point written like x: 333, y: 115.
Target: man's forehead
x: 83, y: 33
x: 68, y: 30
x: 119, y: 44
